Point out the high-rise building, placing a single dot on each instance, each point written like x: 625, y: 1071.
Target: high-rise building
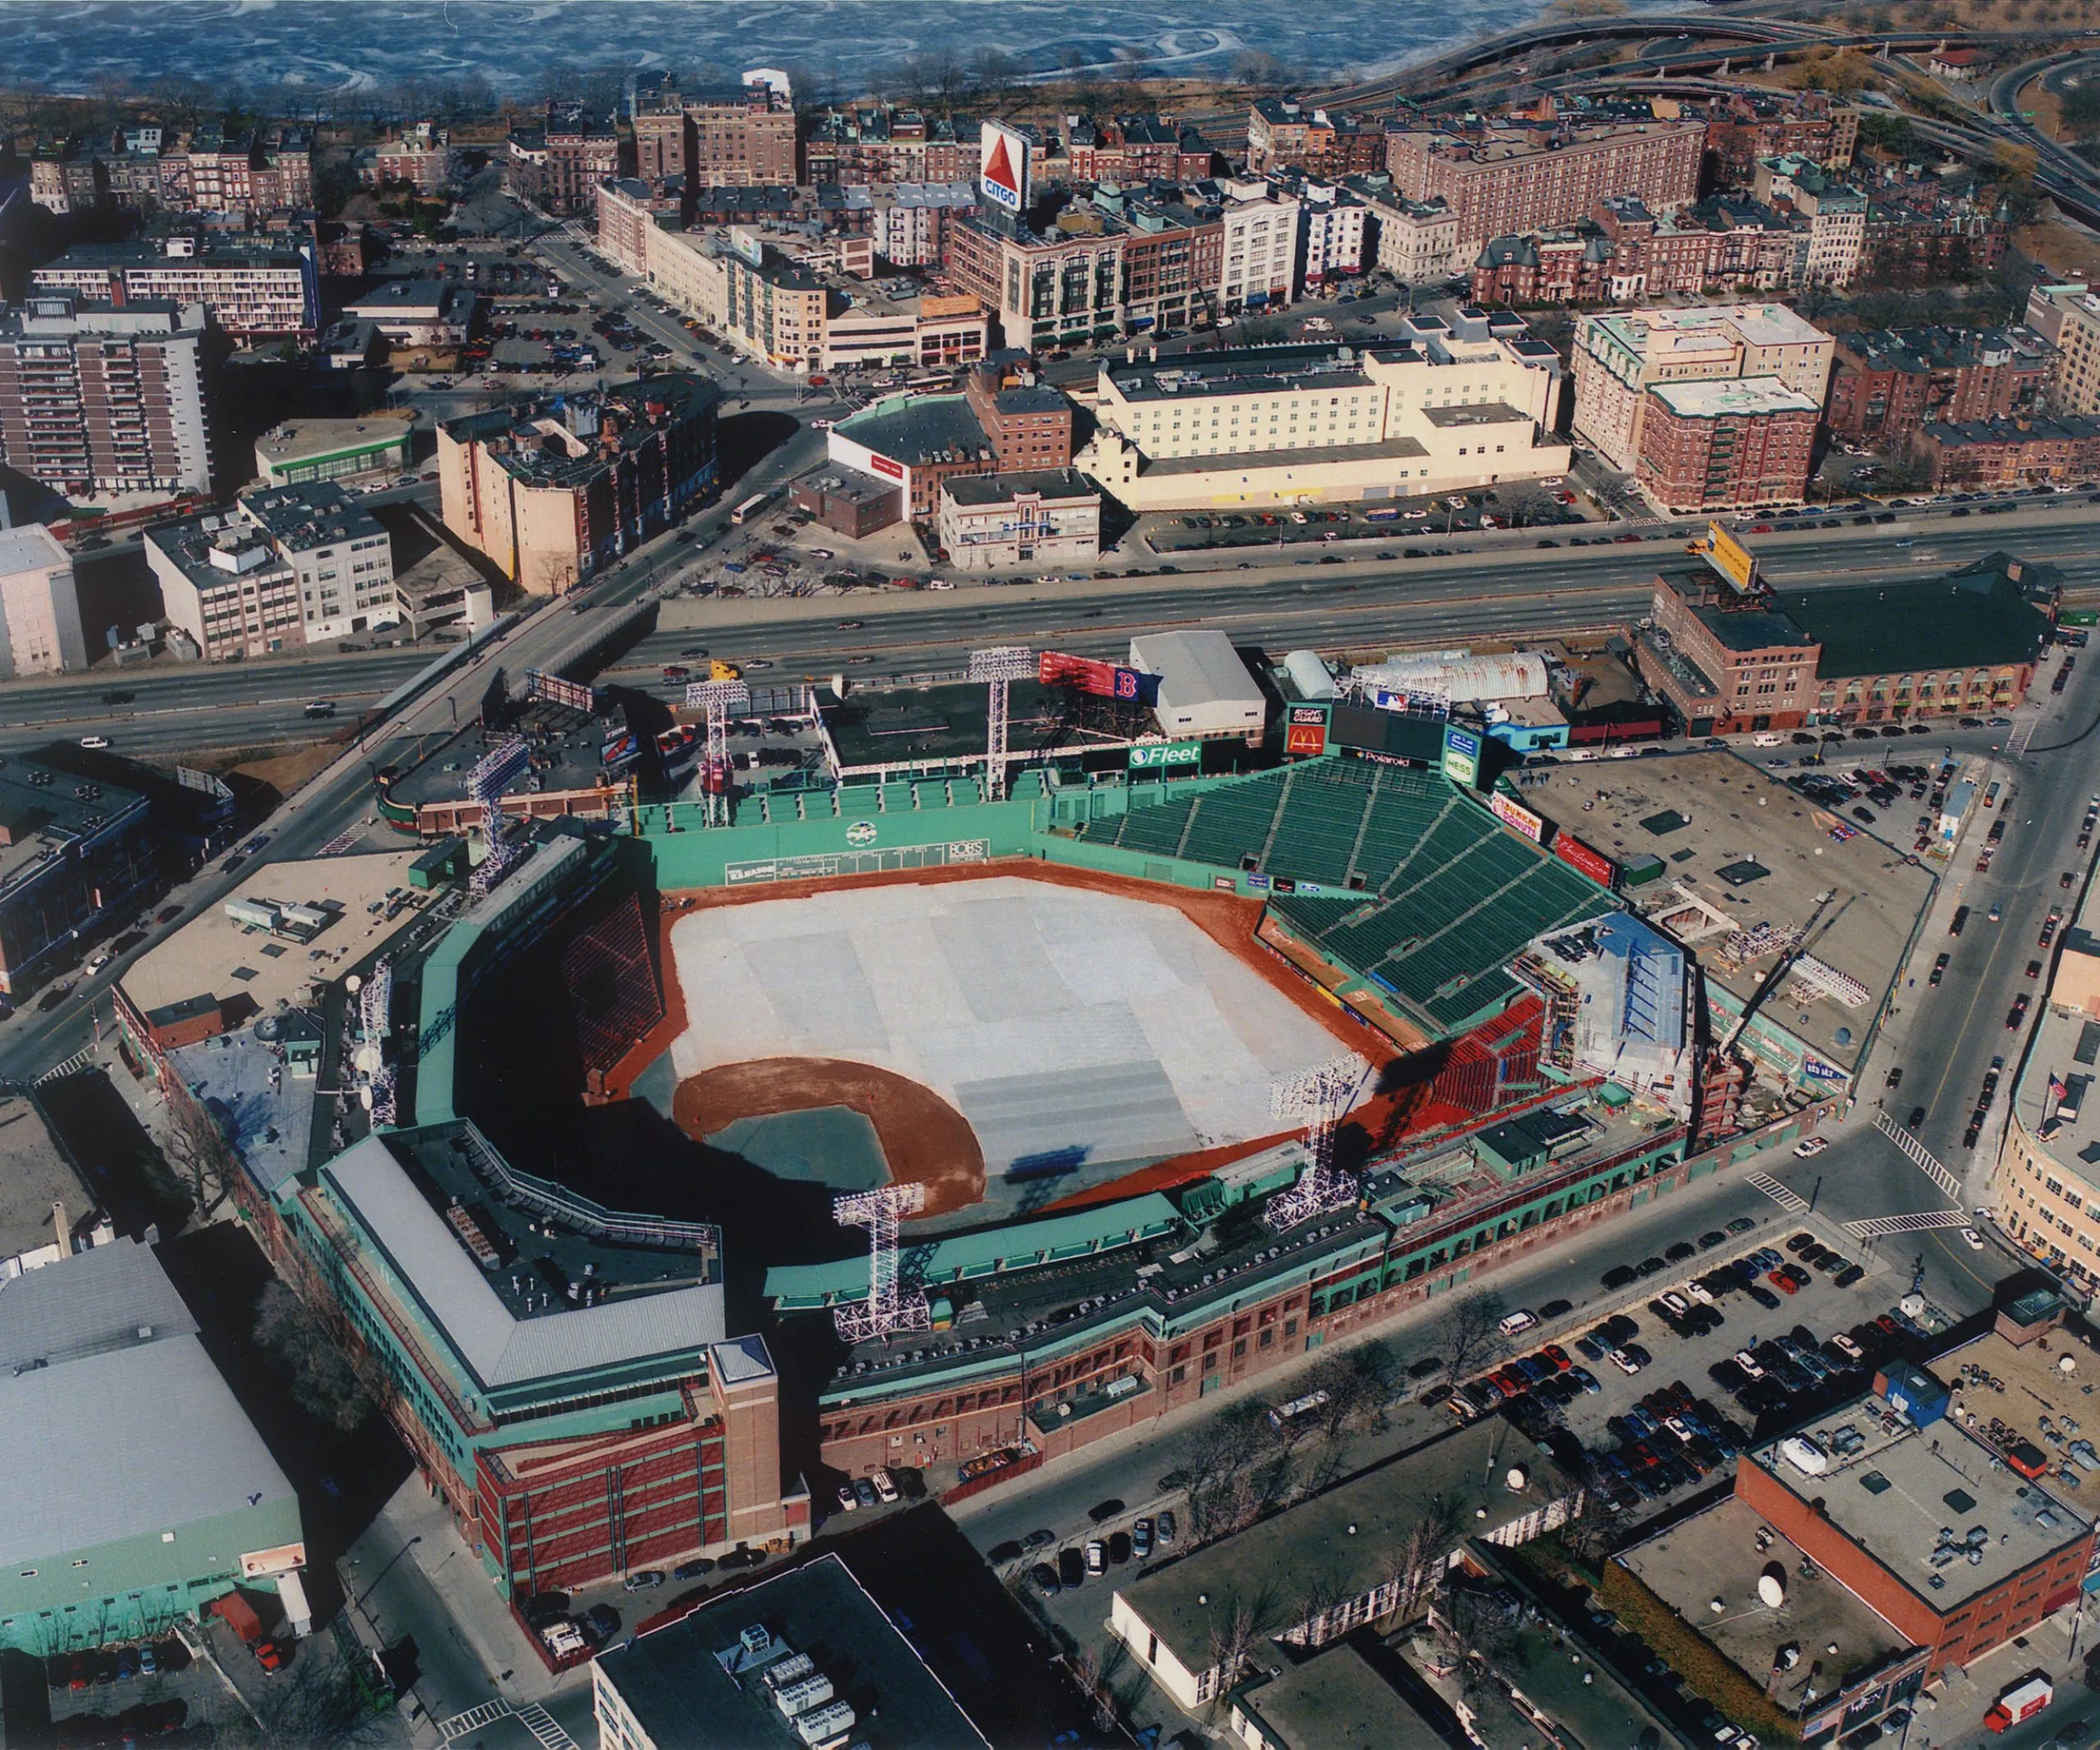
x: 2068, y: 314
x: 253, y: 293
x: 98, y: 398
x: 740, y: 136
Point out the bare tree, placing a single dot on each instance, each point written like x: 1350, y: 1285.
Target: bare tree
x: 1468, y: 1334
x: 1420, y: 1558
x: 326, y: 1379
x: 197, y: 1152
x: 1239, y: 1623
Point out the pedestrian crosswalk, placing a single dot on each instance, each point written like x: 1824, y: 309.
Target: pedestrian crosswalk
x: 1792, y: 1201
x: 2023, y: 732
x: 1919, y: 1155
x: 534, y: 1718
x: 1920, y: 1222
x: 472, y: 1720
x: 543, y: 1726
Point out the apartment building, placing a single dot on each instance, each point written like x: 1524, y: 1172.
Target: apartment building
x: 252, y: 292
x: 1624, y: 254
x: 420, y: 155
x: 342, y: 558
x: 1619, y: 358
x: 888, y: 144
x: 1747, y: 126
x: 39, y: 605
x: 1444, y: 405
x: 740, y: 136
x: 656, y: 112
x: 1835, y: 236
x: 1331, y: 228
x: 2068, y: 314
x: 247, y: 173
x: 96, y: 398
x: 1729, y: 444
x: 1513, y: 177
x: 908, y: 222
x: 1135, y: 149
x: 1416, y: 241
x: 558, y: 163
x: 1917, y: 232
x: 553, y: 488
x: 1995, y: 454
x: 1887, y: 385
x: 1284, y: 134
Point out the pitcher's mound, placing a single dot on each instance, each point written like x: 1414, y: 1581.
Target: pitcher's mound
x: 924, y: 1140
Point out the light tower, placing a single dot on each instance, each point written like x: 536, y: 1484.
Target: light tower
x: 717, y: 698
x: 493, y: 773
x: 1321, y: 1096
x: 888, y: 1308
x: 375, y: 1074
x: 999, y: 668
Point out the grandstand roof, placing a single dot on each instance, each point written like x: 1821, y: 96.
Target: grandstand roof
x: 1397, y: 875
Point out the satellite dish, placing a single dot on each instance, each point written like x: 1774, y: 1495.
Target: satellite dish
x: 1518, y: 1479
x: 367, y: 1059
x: 1772, y: 1584
x: 353, y: 983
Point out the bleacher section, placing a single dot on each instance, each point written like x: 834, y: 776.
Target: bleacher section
x: 1438, y: 895
x: 611, y: 983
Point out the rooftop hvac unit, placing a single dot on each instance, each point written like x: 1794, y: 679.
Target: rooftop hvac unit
x: 803, y: 1696
x: 312, y: 917
x: 791, y: 1670
x: 826, y: 1726
x: 259, y: 914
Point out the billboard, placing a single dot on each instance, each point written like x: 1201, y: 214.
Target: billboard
x: 1305, y: 731
x: 1578, y: 856
x: 556, y: 690
x: 1153, y: 756
x: 1104, y: 680
x: 1516, y: 815
x: 1004, y: 164
x: 1461, y: 756
x: 882, y: 464
x: 1730, y: 557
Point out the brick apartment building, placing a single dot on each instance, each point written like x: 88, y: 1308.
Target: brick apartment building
x: 1725, y: 445
x: 1623, y: 252
x: 859, y: 146
x: 1136, y: 149
x: 740, y: 136
x: 1747, y: 125
x: 1990, y: 454
x: 656, y: 113
x: 1515, y: 177
x: 1917, y: 233
x: 1283, y: 133
x: 419, y: 156
x: 559, y: 164
x: 246, y: 173
x: 1887, y: 385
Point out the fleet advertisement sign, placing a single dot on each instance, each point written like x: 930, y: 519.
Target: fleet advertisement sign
x: 1004, y: 165
x: 1154, y: 755
x: 1516, y: 815
x: 1104, y: 680
x: 1305, y: 731
x: 1461, y: 756
x: 1576, y: 854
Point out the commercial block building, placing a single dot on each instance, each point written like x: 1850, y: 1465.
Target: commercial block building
x: 1725, y: 445
x: 39, y: 605
x: 1732, y: 659
x: 72, y: 852
x: 342, y: 558
x: 1511, y: 177
x: 552, y: 490
x: 304, y: 449
x: 1443, y: 405
x: 226, y: 587
x: 1618, y: 358
x: 2068, y: 313
x: 252, y: 292
x: 1888, y: 384
x: 1995, y: 454
x: 417, y: 312
x: 724, y: 1676
x: 1416, y: 241
x: 98, y: 398
x: 138, y: 1493
x: 1259, y: 250
x: 1343, y: 1559
x: 990, y: 521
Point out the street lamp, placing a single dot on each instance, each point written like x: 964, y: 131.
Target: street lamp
x: 388, y: 1569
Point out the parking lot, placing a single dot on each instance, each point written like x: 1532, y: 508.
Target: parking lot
x: 1541, y: 505
x: 1714, y: 1344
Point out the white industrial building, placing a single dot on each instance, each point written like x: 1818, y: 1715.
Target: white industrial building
x: 1205, y: 690
x: 40, y: 631
x: 1456, y: 674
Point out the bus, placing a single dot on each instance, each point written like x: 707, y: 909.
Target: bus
x: 750, y: 508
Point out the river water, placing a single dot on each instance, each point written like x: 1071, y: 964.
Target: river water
x: 836, y: 48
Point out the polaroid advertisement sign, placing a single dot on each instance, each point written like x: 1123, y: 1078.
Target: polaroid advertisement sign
x: 1004, y: 164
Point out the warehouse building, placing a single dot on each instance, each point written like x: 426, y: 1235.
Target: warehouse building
x: 997, y: 520
x: 138, y: 1491
x: 1205, y: 689
x: 304, y: 449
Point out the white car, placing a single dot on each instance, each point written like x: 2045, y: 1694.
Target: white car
x: 1971, y: 1239
x: 1813, y: 1146
x: 95, y: 741
x: 1747, y: 1362
x: 1624, y: 1361
x: 883, y: 1487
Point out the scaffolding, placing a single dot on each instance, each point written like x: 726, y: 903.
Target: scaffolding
x: 889, y: 1307
x: 1826, y: 980
x: 998, y: 667
x: 1320, y: 1096
x: 375, y: 1074
x: 493, y: 772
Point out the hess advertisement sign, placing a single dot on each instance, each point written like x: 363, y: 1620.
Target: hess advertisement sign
x: 1305, y: 731
x: 1461, y: 756
x: 1004, y: 166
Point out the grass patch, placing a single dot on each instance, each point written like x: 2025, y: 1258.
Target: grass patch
x: 1702, y: 1666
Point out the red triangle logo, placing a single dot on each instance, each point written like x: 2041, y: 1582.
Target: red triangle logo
x: 1000, y: 171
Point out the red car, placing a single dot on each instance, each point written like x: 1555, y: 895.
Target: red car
x: 1781, y: 1281
x: 1558, y: 1356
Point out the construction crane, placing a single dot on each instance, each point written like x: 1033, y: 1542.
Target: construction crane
x: 1781, y: 967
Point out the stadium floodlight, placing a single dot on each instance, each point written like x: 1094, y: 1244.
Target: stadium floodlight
x: 889, y: 1307
x: 717, y: 699
x: 998, y: 666
x: 492, y: 775
x: 1321, y: 1096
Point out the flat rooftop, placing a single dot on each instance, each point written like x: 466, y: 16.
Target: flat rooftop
x: 43, y: 808
x: 1909, y: 1497
x: 1250, y: 370
x: 217, y: 956
x: 2067, y: 1045
x: 946, y: 723
x: 1716, y: 1555
x: 1733, y: 397
x: 568, y: 746
x: 917, y: 429
x: 1641, y: 332
x: 1060, y: 485
x: 307, y: 440
x: 1750, y: 851
x: 701, y: 1682
x: 1344, y: 1542
x: 2041, y: 1403
x: 315, y: 513
x: 38, y: 1176
x: 1337, y: 1700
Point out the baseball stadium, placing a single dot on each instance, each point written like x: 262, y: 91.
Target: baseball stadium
x: 671, y: 1166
